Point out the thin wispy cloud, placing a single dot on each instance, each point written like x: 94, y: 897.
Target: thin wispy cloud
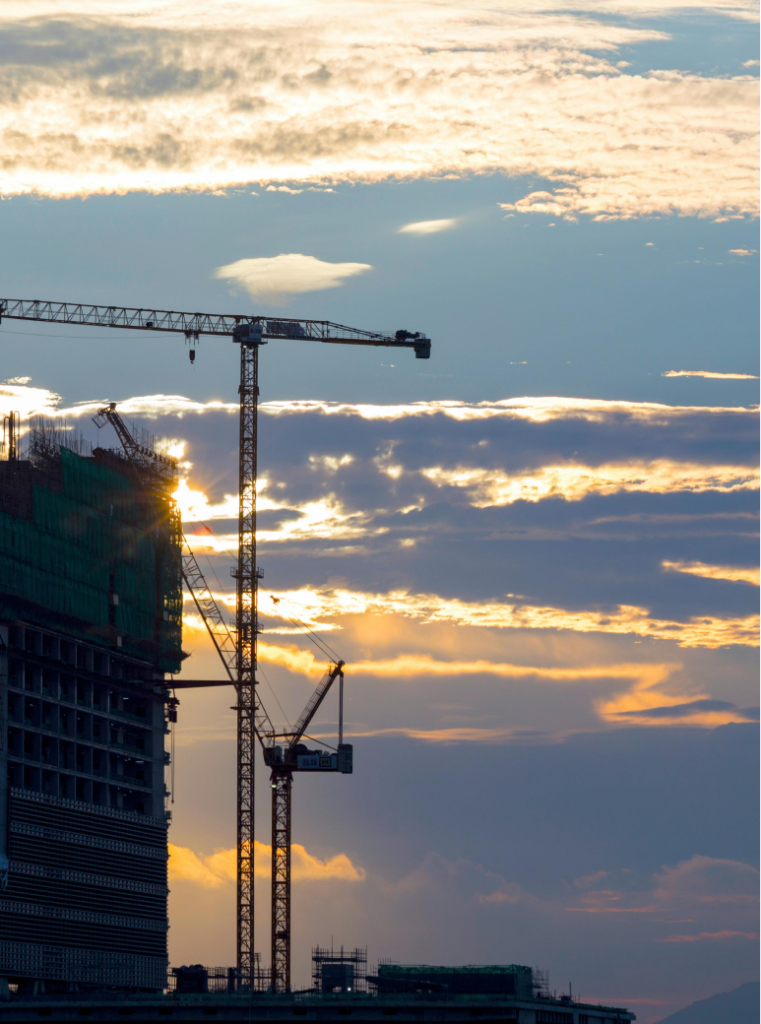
x: 428, y: 227
x: 709, y: 373
x: 536, y: 409
x: 468, y: 734
x: 711, y: 937
x: 733, y: 573
x: 274, y: 279
x: 143, y: 96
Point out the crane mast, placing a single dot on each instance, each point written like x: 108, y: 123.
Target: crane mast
x: 250, y: 332
x: 247, y: 576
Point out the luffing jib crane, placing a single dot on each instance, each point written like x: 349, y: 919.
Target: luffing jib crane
x: 250, y: 332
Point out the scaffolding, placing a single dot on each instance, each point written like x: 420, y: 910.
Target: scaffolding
x: 339, y: 970
x: 199, y: 980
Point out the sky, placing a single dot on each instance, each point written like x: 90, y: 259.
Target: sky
x: 536, y: 552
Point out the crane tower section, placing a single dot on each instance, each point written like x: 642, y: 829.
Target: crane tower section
x: 247, y: 575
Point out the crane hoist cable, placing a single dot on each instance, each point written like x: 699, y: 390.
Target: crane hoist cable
x: 317, y: 640
x: 271, y: 688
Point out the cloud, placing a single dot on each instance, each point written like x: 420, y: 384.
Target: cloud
x: 319, y: 607
x: 143, y: 406
x: 17, y: 396
x: 534, y: 409
x: 710, y: 937
x: 468, y: 734
x: 412, y: 665
x: 708, y: 880
x: 559, y: 204
x: 647, y: 702
x: 677, y: 712
x: 700, y: 885
x: 119, y: 97
x: 273, y: 279
x: 386, y: 486
x: 219, y: 868
x: 428, y: 227
x: 644, y: 702
x: 742, y: 9
x: 572, y: 482
x: 742, y: 252
x: 708, y: 373
x: 736, y: 574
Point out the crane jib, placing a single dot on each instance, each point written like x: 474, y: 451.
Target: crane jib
x: 194, y: 324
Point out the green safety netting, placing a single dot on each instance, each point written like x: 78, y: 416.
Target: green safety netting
x: 95, y: 553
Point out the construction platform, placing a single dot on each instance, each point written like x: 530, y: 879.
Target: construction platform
x: 240, y: 1007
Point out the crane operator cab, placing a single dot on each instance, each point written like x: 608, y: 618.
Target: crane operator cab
x: 248, y: 334
x: 300, y: 758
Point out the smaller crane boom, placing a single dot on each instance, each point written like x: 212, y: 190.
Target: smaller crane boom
x: 314, y: 702
x: 138, y: 454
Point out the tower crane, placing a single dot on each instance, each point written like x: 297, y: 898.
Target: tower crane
x: 250, y: 333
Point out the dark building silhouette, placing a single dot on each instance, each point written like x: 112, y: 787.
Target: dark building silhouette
x: 90, y: 619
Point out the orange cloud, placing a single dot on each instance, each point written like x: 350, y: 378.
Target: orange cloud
x: 219, y: 868
x: 632, y: 706
x: 321, y: 608
x: 645, y: 693
x: 409, y: 665
x: 737, y: 574
x: 574, y: 481
x: 469, y: 734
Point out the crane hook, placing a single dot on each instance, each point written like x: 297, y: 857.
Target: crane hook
x: 191, y: 338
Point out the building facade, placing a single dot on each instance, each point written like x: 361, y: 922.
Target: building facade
x: 90, y: 620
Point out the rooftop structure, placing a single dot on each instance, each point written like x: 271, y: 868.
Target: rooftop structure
x: 339, y: 970
x: 510, y: 980
x: 199, y: 993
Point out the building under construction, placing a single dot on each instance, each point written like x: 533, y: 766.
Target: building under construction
x: 90, y: 620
